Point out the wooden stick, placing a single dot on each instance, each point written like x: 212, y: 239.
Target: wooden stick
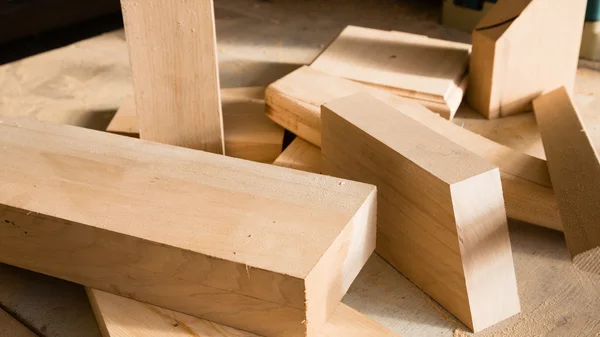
x: 172, y: 51
x: 294, y: 103
x: 10, y: 327
x: 574, y: 165
x: 232, y: 241
x: 539, y: 38
x: 442, y: 221
x: 249, y: 134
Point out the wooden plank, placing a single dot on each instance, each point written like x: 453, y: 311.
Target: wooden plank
x: 540, y: 38
x: 574, y: 166
x: 428, y: 70
x: 300, y: 155
x: 294, y: 102
x: 442, y: 221
x: 172, y: 51
x: 207, y: 260
x: 10, y: 327
x: 249, y: 134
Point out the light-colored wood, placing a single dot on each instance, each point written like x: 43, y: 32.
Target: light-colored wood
x: 521, y: 49
x: 198, y: 232
x: 461, y: 17
x: 248, y: 133
x: 428, y: 70
x: 294, y: 103
x: 300, y: 155
x: 441, y: 218
x: 172, y: 51
x: 574, y: 166
x: 590, y: 41
x: 10, y: 327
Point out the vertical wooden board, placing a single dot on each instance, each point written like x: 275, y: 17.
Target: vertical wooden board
x: 429, y: 70
x: 522, y: 49
x: 249, y: 134
x: 10, y: 327
x: 441, y: 217
x: 172, y: 51
x: 574, y: 167
x: 74, y: 201
x: 294, y: 102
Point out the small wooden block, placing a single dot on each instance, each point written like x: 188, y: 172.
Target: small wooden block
x: 430, y: 71
x: 10, y: 327
x: 300, y: 155
x: 172, y: 51
x: 249, y: 134
x: 521, y: 49
x: 232, y: 241
x: 574, y: 166
x: 441, y: 218
x: 294, y: 102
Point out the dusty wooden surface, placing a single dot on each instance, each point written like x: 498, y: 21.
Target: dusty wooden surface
x: 260, y: 41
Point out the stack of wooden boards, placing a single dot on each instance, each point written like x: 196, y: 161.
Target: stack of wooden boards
x: 271, y: 250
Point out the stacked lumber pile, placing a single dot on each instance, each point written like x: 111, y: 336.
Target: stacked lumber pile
x: 209, y: 224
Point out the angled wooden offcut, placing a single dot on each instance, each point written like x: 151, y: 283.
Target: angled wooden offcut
x: 430, y: 71
x: 441, y: 218
x: 236, y: 242
x: 172, y: 51
x: 574, y: 165
x: 249, y: 134
x: 521, y: 49
x: 300, y: 155
x: 294, y: 102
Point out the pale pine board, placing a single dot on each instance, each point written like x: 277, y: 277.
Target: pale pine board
x: 441, y: 218
x: 10, y: 327
x: 300, y: 155
x: 61, y: 180
x: 294, y: 102
x: 249, y: 134
x: 431, y: 71
x: 574, y: 166
x: 173, y: 56
x: 521, y: 49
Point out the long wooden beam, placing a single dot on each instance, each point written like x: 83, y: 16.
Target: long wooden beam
x: 574, y: 164
x: 232, y: 241
x: 172, y: 51
x: 249, y: 134
x: 294, y: 102
x: 442, y: 221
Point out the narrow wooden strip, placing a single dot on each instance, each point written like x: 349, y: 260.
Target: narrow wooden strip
x: 442, y: 221
x: 172, y: 51
x: 294, y: 103
x: 10, y: 327
x: 232, y: 241
x: 574, y: 165
x: 249, y: 134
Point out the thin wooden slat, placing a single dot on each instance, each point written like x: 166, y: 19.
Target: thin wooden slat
x: 232, y: 241
x: 574, y: 165
x: 521, y: 49
x: 249, y: 134
x: 294, y: 102
x: 427, y: 70
x: 441, y: 218
x: 300, y: 155
x: 172, y: 51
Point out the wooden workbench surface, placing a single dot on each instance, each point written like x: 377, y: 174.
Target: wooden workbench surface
x: 84, y: 84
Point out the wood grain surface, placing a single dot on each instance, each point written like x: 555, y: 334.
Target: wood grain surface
x: 219, y: 263
x: 172, y: 48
